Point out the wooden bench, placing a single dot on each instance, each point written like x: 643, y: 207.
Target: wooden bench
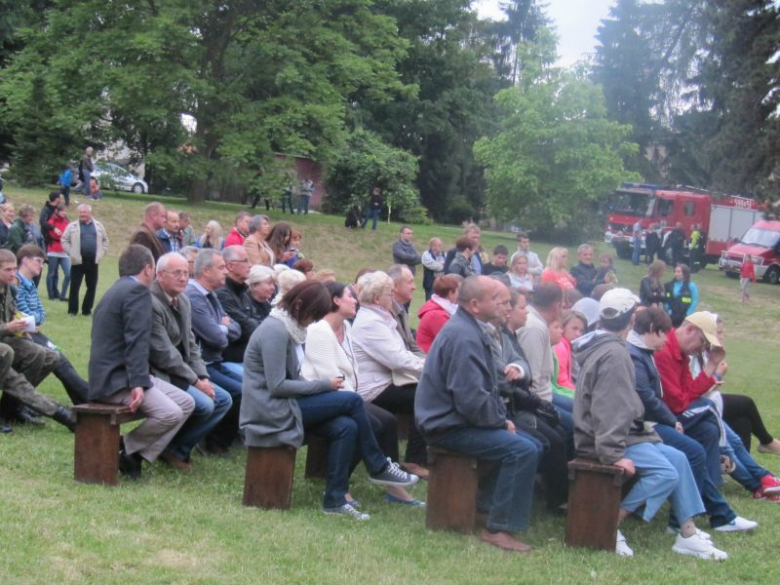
x: 269, y: 477
x: 96, y: 457
x: 452, y: 491
x: 595, y: 492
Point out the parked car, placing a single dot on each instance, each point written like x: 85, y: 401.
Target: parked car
x: 112, y: 176
x: 762, y: 243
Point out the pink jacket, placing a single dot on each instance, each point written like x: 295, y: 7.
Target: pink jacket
x: 563, y: 351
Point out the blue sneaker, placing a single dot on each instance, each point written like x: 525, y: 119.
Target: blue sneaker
x: 411, y: 503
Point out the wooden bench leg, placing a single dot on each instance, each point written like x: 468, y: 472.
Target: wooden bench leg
x: 452, y: 492
x: 96, y: 457
x: 594, y: 505
x: 269, y: 477
x: 316, y: 457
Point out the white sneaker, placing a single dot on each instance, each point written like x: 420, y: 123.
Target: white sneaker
x: 738, y: 524
x: 698, y: 547
x: 701, y: 533
x: 347, y: 510
x: 621, y: 546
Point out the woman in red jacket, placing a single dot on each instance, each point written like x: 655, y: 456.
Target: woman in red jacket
x: 56, y: 257
x: 437, y: 311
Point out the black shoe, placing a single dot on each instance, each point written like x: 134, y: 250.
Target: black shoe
x: 64, y: 299
x: 130, y: 465
x: 5, y: 429
x: 26, y: 416
x: 65, y: 416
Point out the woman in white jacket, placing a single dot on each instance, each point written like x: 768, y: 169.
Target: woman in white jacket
x: 387, y: 372
x: 330, y: 352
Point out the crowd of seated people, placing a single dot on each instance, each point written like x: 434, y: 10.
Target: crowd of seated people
x: 248, y: 345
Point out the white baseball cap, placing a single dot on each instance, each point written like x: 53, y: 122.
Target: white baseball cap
x: 617, y: 302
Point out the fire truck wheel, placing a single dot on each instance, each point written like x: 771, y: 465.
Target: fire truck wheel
x: 772, y: 275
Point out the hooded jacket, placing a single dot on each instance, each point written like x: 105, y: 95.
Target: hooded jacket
x: 607, y: 410
x: 648, y: 382
x: 432, y: 318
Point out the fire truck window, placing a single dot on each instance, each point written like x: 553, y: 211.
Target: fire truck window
x: 665, y: 207
x: 689, y: 208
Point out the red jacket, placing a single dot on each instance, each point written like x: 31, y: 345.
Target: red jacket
x: 234, y: 238
x: 432, y: 319
x: 748, y: 270
x: 678, y: 387
x: 60, y: 223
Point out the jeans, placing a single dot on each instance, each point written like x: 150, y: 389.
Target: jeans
x: 203, y: 419
x: 718, y: 509
x: 637, y: 250
x: 88, y: 272
x: 226, y: 430
x: 287, y: 202
x: 303, y: 204
x: 66, y: 194
x: 662, y: 472
x: 235, y: 368
x: 341, y: 418
x: 373, y: 215
x: 507, y: 491
x: 52, y: 276
x: 87, y: 185
x: 747, y: 472
x: 552, y: 460
x: 565, y: 407
x: 706, y: 431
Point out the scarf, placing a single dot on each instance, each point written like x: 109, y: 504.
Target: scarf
x: 297, y: 332
x: 445, y: 304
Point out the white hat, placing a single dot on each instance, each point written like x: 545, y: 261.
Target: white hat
x: 588, y: 307
x: 617, y: 302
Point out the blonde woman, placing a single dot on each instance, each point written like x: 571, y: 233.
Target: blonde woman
x: 557, y: 269
x: 212, y: 237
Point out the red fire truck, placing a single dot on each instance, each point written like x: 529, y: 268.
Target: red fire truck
x: 722, y: 217
x: 762, y: 243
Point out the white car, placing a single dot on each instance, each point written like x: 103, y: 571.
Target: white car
x: 112, y: 176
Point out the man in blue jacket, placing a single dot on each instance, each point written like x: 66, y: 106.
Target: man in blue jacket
x: 458, y: 407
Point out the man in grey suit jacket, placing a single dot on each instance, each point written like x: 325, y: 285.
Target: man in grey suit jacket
x: 119, y: 363
x: 175, y: 357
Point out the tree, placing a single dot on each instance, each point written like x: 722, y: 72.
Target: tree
x: 556, y: 156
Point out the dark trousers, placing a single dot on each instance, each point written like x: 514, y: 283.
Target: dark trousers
x: 553, y: 462
x: 506, y: 493
x: 400, y: 400
x: 719, y: 511
x: 341, y: 418
x: 373, y: 215
x: 741, y: 414
x: 88, y: 272
x: 76, y: 386
x: 385, y: 428
x: 225, y: 432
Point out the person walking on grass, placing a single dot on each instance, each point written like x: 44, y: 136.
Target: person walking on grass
x: 747, y: 274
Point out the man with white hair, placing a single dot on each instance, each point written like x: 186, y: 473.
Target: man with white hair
x: 234, y: 298
x: 403, y: 291
x: 584, y: 272
x: 174, y: 356
x: 86, y: 242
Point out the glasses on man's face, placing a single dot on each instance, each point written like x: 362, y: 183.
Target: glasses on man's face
x: 36, y: 259
x: 178, y: 273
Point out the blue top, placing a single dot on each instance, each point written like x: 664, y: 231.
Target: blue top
x: 694, y: 295
x: 66, y: 178
x: 28, y: 301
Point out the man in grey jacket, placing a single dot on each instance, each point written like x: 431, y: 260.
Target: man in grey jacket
x: 86, y: 242
x: 175, y: 357
x: 458, y: 407
x: 403, y: 250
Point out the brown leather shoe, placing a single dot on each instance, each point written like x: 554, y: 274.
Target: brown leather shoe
x: 175, y: 462
x: 504, y: 541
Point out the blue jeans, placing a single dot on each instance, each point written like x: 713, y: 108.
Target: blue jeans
x: 87, y: 185
x: 507, y: 492
x: 706, y: 431
x: 637, y: 251
x: 203, y: 419
x: 303, y: 204
x: 565, y: 407
x: 662, y: 472
x: 718, y: 509
x: 235, y: 368
x: 373, y: 215
x: 226, y: 430
x: 747, y: 473
x: 341, y: 418
x: 52, y: 276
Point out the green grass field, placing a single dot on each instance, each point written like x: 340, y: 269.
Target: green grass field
x: 173, y: 528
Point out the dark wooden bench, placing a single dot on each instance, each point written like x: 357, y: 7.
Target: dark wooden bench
x: 96, y: 457
x: 452, y: 491
x: 269, y: 477
x: 595, y: 492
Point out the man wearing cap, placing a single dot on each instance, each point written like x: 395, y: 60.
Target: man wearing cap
x: 699, y: 418
x: 609, y: 427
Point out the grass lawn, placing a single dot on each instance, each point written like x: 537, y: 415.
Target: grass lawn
x: 171, y: 528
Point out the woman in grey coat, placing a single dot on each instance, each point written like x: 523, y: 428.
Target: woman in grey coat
x: 278, y: 405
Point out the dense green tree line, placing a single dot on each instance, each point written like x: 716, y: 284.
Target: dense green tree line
x: 389, y: 92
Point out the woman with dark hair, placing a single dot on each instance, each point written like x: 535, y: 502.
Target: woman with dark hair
x: 682, y: 295
x: 330, y: 353
x: 651, y: 287
x: 278, y: 405
x: 279, y: 241
x: 438, y: 310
